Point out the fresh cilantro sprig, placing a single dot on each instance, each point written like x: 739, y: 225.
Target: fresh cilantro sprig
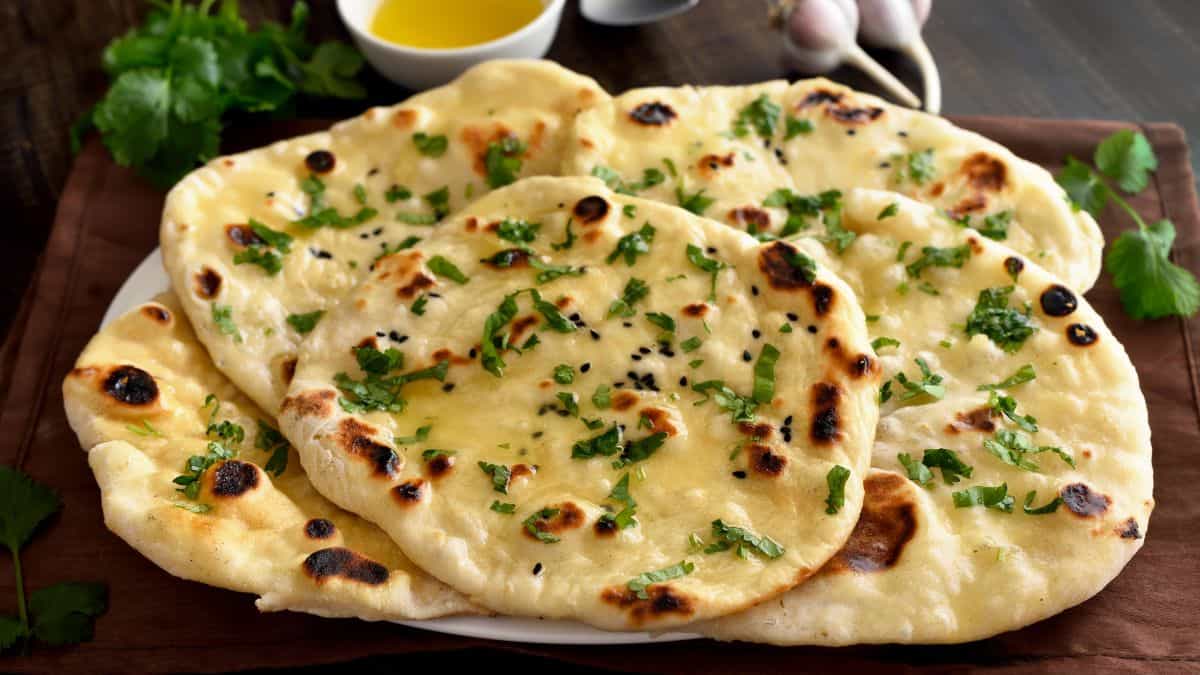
x: 378, y: 390
x: 642, y: 581
x: 57, y: 615
x: 1151, y: 285
x: 187, y: 66
x: 743, y: 541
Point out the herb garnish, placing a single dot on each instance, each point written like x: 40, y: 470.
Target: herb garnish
x: 948, y: 461
x: 1007, y: 406
x: 396, y: 193
x: 503, y: 161
x: 620, y: 493
x: 602, y: 398
x: 640, y: 450
x: 517, y: 231
x: 1011, y: 447
x: 503, y: 507
x: 57, y: 615
x: 801, y: 208
x: 635, y: 290
x: 915, y: 166
x: 321, y: 215
x: 695, y: 202
x: 270, y: 440
x: 764, y: 374
x: 741, y: 407
x: 444, y: 268
x: 304, y: 323
x: 746, y: 542
x: 564, y: 374
x: 796, y: 127
x: 430, y: 146
x: 639, y: 583
x: 567, y: 242
x: 632, y: 245
x: 883, y: 341
x: 981, y: 495
x: 929, y: 385
x: 650, y: 178
x: 917, y: 471
x: 500, y: 475
x: 836, y: 481
x: 1151, y: 285
x: 888, y: 211
x: 196, y: 465
x: 531, y: 525
x: 378, y: 391
x: 932, y: 256
x: 1005, y: 326
x: 1049, y: 507
x: 696, y: 256
x: 762, y: 114
x: 222, y: 315
x: 268, y: 254
x: 1024, y: 374
x: 605, y: 444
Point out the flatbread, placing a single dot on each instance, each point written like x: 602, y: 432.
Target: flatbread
x: 816, y: 135
x: 137, y: 400
x: 518, y: 440
x: 206, y: 221
x: 918, y: 569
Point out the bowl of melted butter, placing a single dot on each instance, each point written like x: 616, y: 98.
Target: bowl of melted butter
x: 424, y: 43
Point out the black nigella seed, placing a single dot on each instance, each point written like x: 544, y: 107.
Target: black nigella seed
x: 364, y: 235
x: 711, y: 249
x: 472, y: 353
x: 538, y: 434
x: 595, y: 335
x: 885, y: 165
x: 756, y: 333
x: 627, y: 324
x: 537, y: 569
x: 585, y: 367
x: 754, y: 290
x: 666, y: 352
x: 902, y: 134
x: 636, y: 357
x: 373, y: 172
x: 448, y: 387
x: 320, y: 253
x: 377, y: 231
x: 683, y: 381
x: 271, y: 193
x: 632, y: 375
x: 562, y: 413
x: 739, y: 474
x: 643, y: 350
x: 575, y: 317
x: 618, y: 385
x: 850, y: 132
x: 746, y: 355
x: 812, y: 329
x: 792, y: 316
x: 380, y: 333
x: 787, y: 421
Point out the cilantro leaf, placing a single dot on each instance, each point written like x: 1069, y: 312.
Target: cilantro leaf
x: 500, y: 475
x: 1024, y: 374
x: 517, y: 231
x: 503, y: 507
x: 917, y: 471
x: 639, y: 583
x: 1003, y: 325
x: 635, y: 290
x: 331, y: 71
x: 24, y: 505
x: 948, y: 461
x: 444, y: 268
x: 1084, y: 188
x: 883, y: 341
x: 796, y: 127
x: 533, y: 525
x: 65, y: 613
x: 932, y: 256
x: 633, y: 245
x: 626, y: 517
x: 270, y: 440
x: 741, y: 407
x: 1127, y: 158
x: 762, y: 114
x: 602, y: 397
x: 917, y: 167
x: 640, y: 450
x: 929, y: 385
x: 605, y: 444
x: 745, y: 541
x: 695, y: 202
x: 764, y: 374
x: 836, y: 481
x: 430, y: 146
x: 11, y: 631
x: 503, y: 161
x: 1049, y: 507
x: 981, y: 495
x: 1151, y: 285
x: 304, y: 323
x: 711, y: 265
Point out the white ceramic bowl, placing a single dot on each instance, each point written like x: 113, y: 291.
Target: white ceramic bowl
x: 418, y: 68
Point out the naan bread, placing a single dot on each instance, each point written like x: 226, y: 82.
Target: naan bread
x: 206, y: 222
x: 918, y: 569
x: 816, y: 135
x: 509, y: 494
x: 137, y: 400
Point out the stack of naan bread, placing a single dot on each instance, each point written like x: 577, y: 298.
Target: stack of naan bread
x: 781, y: 363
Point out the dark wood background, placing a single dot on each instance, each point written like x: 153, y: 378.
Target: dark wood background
x: 1115, y: 59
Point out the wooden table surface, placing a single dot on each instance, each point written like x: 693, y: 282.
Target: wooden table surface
x: 1111, y: 59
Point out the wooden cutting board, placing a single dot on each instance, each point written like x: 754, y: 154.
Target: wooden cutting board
x: 107, y: 221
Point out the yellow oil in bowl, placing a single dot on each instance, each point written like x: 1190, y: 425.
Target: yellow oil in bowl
x: 450, y: 24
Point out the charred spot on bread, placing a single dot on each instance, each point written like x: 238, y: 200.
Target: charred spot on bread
x: 568, y: 516
x: 750, y: 215
x: 1058, y: 300
x: 590, y: 209
x: 653, y: 114
x: 354, y: 438
x: 345, y: 564
x: 1081, y: 335
x: 1129, y: 529
x: 419, y: 282
x: 774, y: 262
x: 984, y: 172
x: 320, y: 161
x: 234, y: 478
x: 409, y: 492
x: 764, y: 461
x: 822, y: 298
x: 853, y: 115
x: 662, y: 599
x: 1084, y: 501
x: 156, y: 313
x: 439, y: 465
x: 242, y: 235
x: 208, y: 283
x: 821, y: 97
x: 131, y: 385
x: 887, y: 523
x: 507, y: 258
x: 310, y: 403
x: 1014, y: 266
x: 319, y: 528
x: 979, y: 419
x: 826, y: 425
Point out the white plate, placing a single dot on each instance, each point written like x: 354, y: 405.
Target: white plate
x: 150, y: 279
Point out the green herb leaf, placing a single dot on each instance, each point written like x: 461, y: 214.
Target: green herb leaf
x: 396, y: 193
x: 1007, y: 406
x: 143, y: 429
x: 635, y: 290
x: 641, y: 449
x: 1049, y: 507
x: 995, y: 226
x: 633, y: 245
x: 661, y: 320
x: 889, y: 211
x: 746, y: 542
x: 270, y: 440
x: 695, y: 202
x: 548, y: 272
x: 917, y: 167
x: 533, y: 524
x: 430, y: 146
x: 1024, y: 374
x: 564, y: 374
x: 444, y: 268
x: 1127, y: 158
x: 639, y: 583
x: 606, y: 444
x: 65, y: 613
x: 741, y: 407
x: 304, y: 323
x: 883, y: 341
x: 762, y: 114
x: 932, y: 256
x: 764, y: 374
x: 796, y: 127
x: 500, y: 475
x: 503, y: 161
x: 1151, y: 285
x: 929, y: 385
x: 981, y: 495
x: 620, y: 493
x: 917, y: 471
x: 567, y: 242
x: 1084, y: 188
x: 836, y: 481
x: 503, y: 507
x: 695, y: 255
x: 948, y: 461
x: 490, y: 350
x: 24, y: 505
x: 419, y: 436
x: 691, y: 344
x: 1003, y: 325
x: 602, y: 397
x: 222, y: 316
x: 517, y: 231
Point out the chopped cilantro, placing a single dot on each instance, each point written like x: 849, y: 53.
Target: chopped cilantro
x: 1003, y: 325
x: 948, y: 461
x: 396, y: 193
x: 418, y: 306
x: 741, y: 407
x: 695, y: 202
x: 981, y: 495
x: 632, y: 245
x: 1007, y: 406
x: 764, y: 374
x: 378, y: 390
x: 639, y: 583
x: 881, y: 342
x: 270, y: 440
x: 602, y: 398
x: 568, y: 240
x: 640, y: 450
x: 620, y: 493
x: 995, y: 226
x: 745, y: 541
x: 932, y: 256
x: 570, y: 402
x: 796, y: 127
x: 1011, y: 447
x: 661, y: 320
x: 762, y: 114
x: 222, y: 316
x: 503, y: 507
x: 606, y: 444
x: 320, y: 215
x: 500, y: 475
x: 531, y: 525
x: 304, y: 323
x: 691, y: 344
x: 444, y: 268
x: 635, y: 290
x: 564, y: 374
x: 836, y: 481
x: 1049, y: 507
x: 696, y: 256
x: 889, y: 211
x: 430, y: 146
x: 917, y: 471
x: 517, y: 231
x: 917, y: 167
x: 1024, y: 374
x: 929, y: 385
x: 189, y: 482
x: 503, y: 161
